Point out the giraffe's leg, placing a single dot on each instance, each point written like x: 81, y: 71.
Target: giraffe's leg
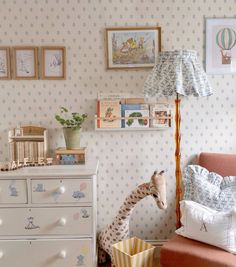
x: 112, y: 261
x: 101, y: 256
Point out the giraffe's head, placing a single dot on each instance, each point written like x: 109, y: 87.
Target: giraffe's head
x: 158, y: 189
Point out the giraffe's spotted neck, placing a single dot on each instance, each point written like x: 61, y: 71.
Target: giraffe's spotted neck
x: 129, y: 204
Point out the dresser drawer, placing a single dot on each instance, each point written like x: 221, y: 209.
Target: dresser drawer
x: 46, y: 253
x: 13, y: 191
x: 61, y: 191
x: 46, y: 221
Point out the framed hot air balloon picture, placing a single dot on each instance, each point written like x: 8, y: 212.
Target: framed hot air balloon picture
x: 221, y: 46
x: 135, y: 47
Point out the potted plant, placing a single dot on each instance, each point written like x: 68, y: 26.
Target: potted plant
x: 72, y: 126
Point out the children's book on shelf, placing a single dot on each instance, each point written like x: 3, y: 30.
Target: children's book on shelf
x: 161, y: 115
x: 113, y: 96
x: 134, y: 121
x: 108, y: 114
x: 135, y: 100
x: 132, y: 107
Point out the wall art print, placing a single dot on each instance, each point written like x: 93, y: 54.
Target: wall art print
x: 5, y: 72
x: 53, y: 63
x: 132, y: 47
x: 25, y: 62
x: 221, y: 45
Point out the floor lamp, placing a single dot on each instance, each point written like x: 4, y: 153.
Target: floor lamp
x: 177, y: 73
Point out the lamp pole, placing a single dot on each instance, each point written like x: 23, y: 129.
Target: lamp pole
x: 177, y: 159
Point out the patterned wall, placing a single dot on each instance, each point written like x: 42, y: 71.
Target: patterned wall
x: 126, y: 158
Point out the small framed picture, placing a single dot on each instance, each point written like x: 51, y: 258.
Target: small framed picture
x: 221, y: 45
x: 25, y: 62
x: 132, y: 47
x: 5, y: 69
x: 53, y: 62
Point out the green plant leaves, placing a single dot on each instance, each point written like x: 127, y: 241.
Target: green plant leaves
x: 75, y: 120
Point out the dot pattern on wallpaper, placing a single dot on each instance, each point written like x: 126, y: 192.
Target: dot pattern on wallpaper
x: 126, y: 158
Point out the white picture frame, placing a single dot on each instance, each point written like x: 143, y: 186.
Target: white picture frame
x: 221, y: 45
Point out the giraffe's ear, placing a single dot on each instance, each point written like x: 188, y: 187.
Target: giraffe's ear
x: 160, y: 173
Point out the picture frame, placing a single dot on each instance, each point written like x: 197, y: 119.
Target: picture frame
x: 25, y: 62
x: 5, y: 67
x: 132, y: 47
x: 53, y: 62
x: 220, y: 45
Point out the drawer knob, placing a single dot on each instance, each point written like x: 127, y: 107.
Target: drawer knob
x: 1, y: 222
x: 1, y: 254
x: 62, y: 254
x: 62, y: 222
x: 61, y: 189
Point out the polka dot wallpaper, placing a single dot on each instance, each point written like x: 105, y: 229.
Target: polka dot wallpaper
x: 126, y: 158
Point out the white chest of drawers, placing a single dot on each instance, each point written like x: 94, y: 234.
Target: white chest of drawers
x: 48, y: 216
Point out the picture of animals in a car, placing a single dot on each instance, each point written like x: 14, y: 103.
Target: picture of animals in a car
x: 133, y: 47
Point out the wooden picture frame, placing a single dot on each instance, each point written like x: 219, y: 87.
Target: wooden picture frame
x: 5, y: 67
x: 132, y: 47
x: 220, y: 45
x: 53, y: 62
x: 25, y: 62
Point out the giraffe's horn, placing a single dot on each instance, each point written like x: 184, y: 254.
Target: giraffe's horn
x: 160, y: 173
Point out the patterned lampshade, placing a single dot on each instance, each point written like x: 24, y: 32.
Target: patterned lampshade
x: 177, y: 72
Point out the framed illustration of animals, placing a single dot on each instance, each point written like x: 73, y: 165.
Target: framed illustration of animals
x: 25, y: 62
x: 53, y: 62
x: 133, y: 47
x: 5, y: 71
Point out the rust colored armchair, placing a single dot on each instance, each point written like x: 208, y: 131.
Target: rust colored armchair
x: 183, y: 252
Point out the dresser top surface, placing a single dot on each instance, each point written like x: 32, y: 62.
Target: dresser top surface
x: 57, y: 171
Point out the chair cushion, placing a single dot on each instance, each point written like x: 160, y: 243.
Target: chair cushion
x: 183, y: 252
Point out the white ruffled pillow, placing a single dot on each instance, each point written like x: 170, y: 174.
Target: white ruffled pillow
x: 209, y: 189
x: 207, y: 225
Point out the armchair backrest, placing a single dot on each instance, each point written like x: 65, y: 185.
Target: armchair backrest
x: 223, y: 164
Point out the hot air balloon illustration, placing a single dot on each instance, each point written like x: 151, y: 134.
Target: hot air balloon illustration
x: 226, y: 40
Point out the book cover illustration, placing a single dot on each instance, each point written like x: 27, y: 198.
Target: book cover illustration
x: 110, y: 114
x: 161, y: 115
x: 134, y: 121
x: 126, y: 107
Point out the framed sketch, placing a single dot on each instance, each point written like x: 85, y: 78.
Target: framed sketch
x: 132, y: 47
x: 5, y: 69
x: 53, y: 62
x: 25, y: 62
x: 221, y: 45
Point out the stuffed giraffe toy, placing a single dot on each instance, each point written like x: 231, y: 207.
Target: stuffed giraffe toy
x: 118, y: 230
